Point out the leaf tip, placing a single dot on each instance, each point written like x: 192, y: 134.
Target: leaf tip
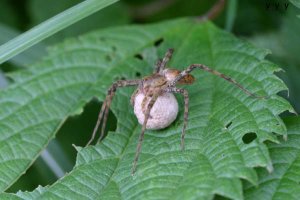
x: 293, y: 111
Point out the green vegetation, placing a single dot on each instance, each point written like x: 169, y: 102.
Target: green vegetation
x: 237, y: 147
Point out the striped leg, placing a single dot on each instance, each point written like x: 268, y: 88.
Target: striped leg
x: 165, y: 60
x: 106, y: 104
x: 144, y: 103
x: 106, y: 115
x: 141, y: 138
x: 186, y: 110
x: 157, y: 66
x: 132, y: 98
x: 214, y: 72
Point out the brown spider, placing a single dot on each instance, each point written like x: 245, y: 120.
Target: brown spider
x: 163, y: 80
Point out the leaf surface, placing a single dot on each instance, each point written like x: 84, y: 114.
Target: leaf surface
x: 217, y: 155
x: 283, y: 183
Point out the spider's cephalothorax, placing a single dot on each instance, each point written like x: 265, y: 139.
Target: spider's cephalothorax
x: 162, y: 81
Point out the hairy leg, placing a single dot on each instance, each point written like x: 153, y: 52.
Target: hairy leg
x: 105, y: 106
x: 98, y: 120
x: 186, y: 110
x: 214, y: 72
x: 166, y: 59
x: 141, y: 138
x: 144, y: 103
x: 106, y: 116
x: 132, y: 98
x: 157, y: 66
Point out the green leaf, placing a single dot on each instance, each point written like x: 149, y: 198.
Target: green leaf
x: 217, y: 155
x: 283, y: 183
x: 24, y: 195
x: 296, y: 3
x: 50, y: 27
x: 284, y: 46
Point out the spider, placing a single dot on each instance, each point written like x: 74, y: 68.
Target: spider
x: 162, y: 81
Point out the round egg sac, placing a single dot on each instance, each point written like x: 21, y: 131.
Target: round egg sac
x: 162, y: 114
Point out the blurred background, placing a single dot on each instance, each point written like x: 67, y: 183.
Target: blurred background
x: 271, y: 24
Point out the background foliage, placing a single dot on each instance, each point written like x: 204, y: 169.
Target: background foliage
x: 52, y: 95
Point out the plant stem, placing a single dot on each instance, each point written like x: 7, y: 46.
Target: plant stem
x: 214, y: 11
x: 230, y: 14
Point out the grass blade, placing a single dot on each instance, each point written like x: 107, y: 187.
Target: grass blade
x: 50, y: 27
x: 27, y: 57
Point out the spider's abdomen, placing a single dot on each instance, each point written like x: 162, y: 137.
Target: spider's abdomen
x: 171, y: 74
x: 162, y: 114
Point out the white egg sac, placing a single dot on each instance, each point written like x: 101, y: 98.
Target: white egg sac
x: 162, y: 114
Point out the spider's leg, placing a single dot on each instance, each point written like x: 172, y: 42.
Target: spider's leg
x: 121, y: 83
x: 157, y: 66
x: 144, y: 103
x: 98, y: 121
x: 214, y: 72
x: 106, y: 103
x: 141, y: 138
x: 132, y: 98
x: 105, y: 116
x: 166, y: 59
x: 186, y: 110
